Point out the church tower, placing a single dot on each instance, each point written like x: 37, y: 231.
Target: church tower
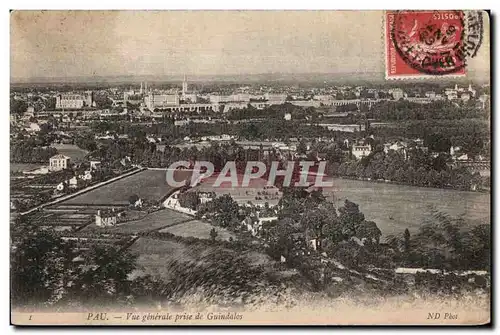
x: 184, y: 86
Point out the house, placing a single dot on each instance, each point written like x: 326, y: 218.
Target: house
x: 125, y: 161
x: 138, y: 203
x: 87, y: 176
x: 58, y: 162
x: 95, y: 165
x: 465, y: 96
x: 253, y: 223
x: 106, y: 218
x: 33, y: 128
x: 206, y: 197
x: 454, y: 150
x: 398, y: 147
x: 73, y: 182
x: 360, y: 151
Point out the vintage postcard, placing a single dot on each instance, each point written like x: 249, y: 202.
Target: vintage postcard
x: 250, y: 168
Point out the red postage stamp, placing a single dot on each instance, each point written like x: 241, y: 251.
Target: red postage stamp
x: 429, y: 43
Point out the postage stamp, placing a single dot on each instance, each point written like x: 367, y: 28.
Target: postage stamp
x: 430, y: 43
x: 241, y: 167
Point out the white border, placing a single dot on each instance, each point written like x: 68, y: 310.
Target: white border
x: 200, y: 4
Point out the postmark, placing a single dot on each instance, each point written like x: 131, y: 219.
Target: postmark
x: 431, y: 43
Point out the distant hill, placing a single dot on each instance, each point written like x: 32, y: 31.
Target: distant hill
x: 292, y: 78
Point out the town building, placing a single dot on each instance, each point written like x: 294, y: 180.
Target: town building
x: 59, y: 162
x: 360, y: 151
x: 398, y: 146
x: 73, y: 182
x: 106, y: 218
x: 275, y: 99
x: 153, y: 101
x: 74, y: 101
x: 184, y: 87
x: 95, y: 165
x: 397, y: 93
x: 33, y: 128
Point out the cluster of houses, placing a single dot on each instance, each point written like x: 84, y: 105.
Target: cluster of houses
x: 60, y: 162
x: 362, y: 148
x: 254, y: 222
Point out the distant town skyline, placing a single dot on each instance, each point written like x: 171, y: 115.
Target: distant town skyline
x: 173, y: 43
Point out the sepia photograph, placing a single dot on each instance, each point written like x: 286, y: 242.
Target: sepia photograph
x: 243, y: 167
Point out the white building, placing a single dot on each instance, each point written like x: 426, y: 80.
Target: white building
x: 153, y: 101
x: 472, y: 91
x: 275, y: 99
x: 360, y: 151
x: 430, y: 94
x: 94, y: 165
x: 33, y: 128
x: 397, y: 93
x: 74, y: 101
x: 106, y: 218
x: 73, y: 182
x: 58, y: 162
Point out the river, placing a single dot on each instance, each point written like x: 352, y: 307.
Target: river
x: 396, y: 207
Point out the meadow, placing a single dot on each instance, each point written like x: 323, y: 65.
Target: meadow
x: 148, y: 222
x: 198, y: 229
x: 148, y: 185
x: 397, y: 207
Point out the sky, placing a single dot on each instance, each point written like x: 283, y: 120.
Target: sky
x: 172, y: 43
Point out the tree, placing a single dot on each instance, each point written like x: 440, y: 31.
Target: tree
x: 350, y: 218
x: 42, y: 266
x: 406, y: 242
x: 189, y: 200
x: 318, y: 221
x: 105, y: 279
x: 213, y: 234
x: 302, y: 147
x: 17, y: 106
x: 223, y: 211
x: 369, y: 231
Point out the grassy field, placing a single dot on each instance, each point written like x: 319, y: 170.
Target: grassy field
x: 74, y: 152
x: 19, y: 167
x: 151, y: 221
x: 396, y: 207
x: 148, y: 184
x: 198, y: 229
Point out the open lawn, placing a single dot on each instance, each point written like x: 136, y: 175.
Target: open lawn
x: 198, y: 229
x: 155, y: 220
x: 19, y: 167
x: 148, y: 184
x: 396, y: 207
x: 73, y: 151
